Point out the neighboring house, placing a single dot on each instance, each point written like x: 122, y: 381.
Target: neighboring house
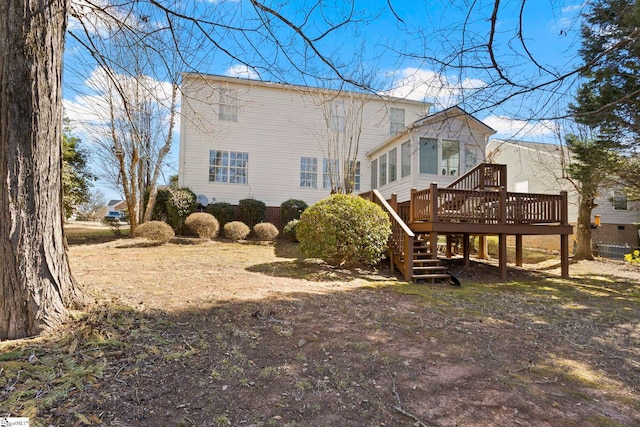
x: 540, y: 168
x: 272, y: 142
x: 117, y: 205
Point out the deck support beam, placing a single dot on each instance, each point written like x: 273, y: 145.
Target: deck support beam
x: 519, y: 250
x: 564, y: 256
x: 482, y: 247
x: 433, y: 244
x: 502, y: 255
x: 448, y: 250
x: 466, y: 249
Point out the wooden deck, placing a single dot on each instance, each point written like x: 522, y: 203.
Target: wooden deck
x: 475, y: 204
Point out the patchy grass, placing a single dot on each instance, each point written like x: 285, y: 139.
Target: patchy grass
x: 240, y: 334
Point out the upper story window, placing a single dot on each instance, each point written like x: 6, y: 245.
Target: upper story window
x: 308, y: 172
x: 230, y: 167
x: 338, y: 117
x: 396, y: 120
x: 619, y: 201
x: 228, y: 105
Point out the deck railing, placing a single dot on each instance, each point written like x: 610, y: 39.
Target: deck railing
x: 401, y: 240
x: 484, y: 176
x: 487, y: 207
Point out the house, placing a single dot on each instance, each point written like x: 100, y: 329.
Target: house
x: 117, y: 205
x: 540, y: 168
x: 243, y: 138
x: 272, y: 142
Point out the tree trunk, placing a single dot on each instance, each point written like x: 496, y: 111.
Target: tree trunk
x: 36, y: 285
x: 583, y: 231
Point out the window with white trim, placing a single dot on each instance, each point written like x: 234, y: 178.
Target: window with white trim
x: 450, y: 157
x: 228, y: 105
x: 396, y: 120
x: 383, y: 169
x: 405, y: 159
x: 330, y: 172
x: 356, y: 175
x: 230, y: 167
x: 619, y: 201
x: 393, y: 165
x: 470, y: 159
x: 308, y: 172
x: 374, y: 174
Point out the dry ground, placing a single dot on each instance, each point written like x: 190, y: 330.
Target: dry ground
x: 244, y: 334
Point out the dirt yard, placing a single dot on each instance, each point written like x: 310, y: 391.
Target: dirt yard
x: 246, y: 334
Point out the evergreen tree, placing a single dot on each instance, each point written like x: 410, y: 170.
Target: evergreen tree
x: 76, y: 177
x: 609, y: 101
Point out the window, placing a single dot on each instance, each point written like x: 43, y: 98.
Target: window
x: 330, y: 171
x: 405, y: 159
x: 356, y: 175
x: 238, y: 167
x: 338, y: 116
x: 228, y: 167
x: 450, y: 157
x: 429, y: 156
x: 619, y: 201
x: 393, y: 165
x: 308, y: 172
x: 396, y: 120
x: 383, y: 169
x: 470, y: 159
x: 374, y: 174
x: 228, y: 105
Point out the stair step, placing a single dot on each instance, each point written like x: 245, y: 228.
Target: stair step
x: 431, y: 276
x: 431, y: 268
x: 426, y: 261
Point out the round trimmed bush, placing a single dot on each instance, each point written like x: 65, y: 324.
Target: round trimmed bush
x: 265, y: 231
x: 224, y: 212
x: 156, y: 231
x: 236, y: 230
x: 205, y: 225
x: 344, y: 229
x: 251, y: 211
x: 292, y: 209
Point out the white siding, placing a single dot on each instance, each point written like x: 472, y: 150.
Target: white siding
x: 277, y: 124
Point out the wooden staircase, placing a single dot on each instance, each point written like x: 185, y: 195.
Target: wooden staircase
x: 426, y: 268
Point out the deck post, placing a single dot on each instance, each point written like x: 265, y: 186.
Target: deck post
x: 503, y: 205
x: 519, y: 250
x: 433, y: 200
x: 408, y: 259
x: 482, y: 247
x: 412, y: 205
x: 466, y: 249
x: 449, y: 243
x: 502, y: 255
x: 433, y: 244
x: 564, y: 256
x: 393, y: 202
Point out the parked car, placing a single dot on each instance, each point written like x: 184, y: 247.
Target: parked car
x: 115, y: 216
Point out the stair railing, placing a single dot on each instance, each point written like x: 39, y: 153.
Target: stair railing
x: 484, y: 176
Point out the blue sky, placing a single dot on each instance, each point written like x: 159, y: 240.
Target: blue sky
x: 408, y: 51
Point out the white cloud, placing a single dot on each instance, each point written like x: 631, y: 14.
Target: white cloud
x: 510, y: 128
x: 242, y: 71
x: 425, y: 85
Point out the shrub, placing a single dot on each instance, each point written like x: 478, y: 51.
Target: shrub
x: 156, y: 231
x: 289, y: 230
x: 344, y: 230
x: 236, y: 230
x: 205, y: 225
x: 223, y: 212
x: 251, y: 211
x: 292, y: 209
x: 174, y: 205
x: 265, y: 231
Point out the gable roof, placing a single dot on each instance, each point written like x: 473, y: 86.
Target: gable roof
x: 450, y: 113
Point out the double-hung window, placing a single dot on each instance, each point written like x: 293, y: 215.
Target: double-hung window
x: 228, y: 105
x: 230, y: 167
x: 450, y: 157
x: 383, y: 169
x: 429, y: 156
x: 308, y: 172
x: 619, y: 201
x: 355, y: 175
x: 396, y: 120
x: 405, y: 159
x: 393, y: 165
x: 330, y: 174
x: 374, y: 174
